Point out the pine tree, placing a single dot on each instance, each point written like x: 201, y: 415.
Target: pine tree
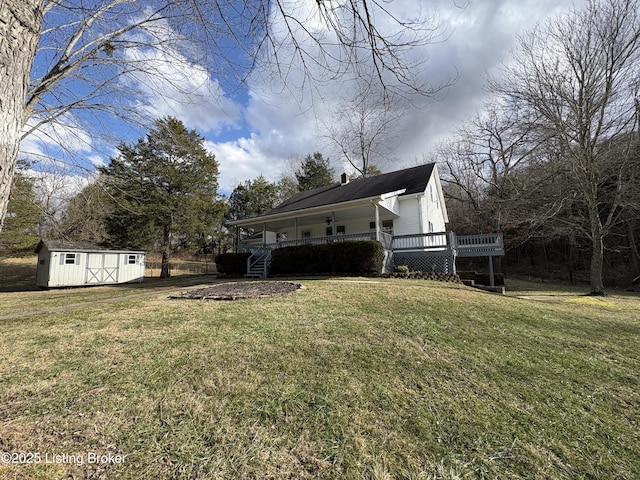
x: 20, y: 233
x: 314, y: 172
x: 164, y: 190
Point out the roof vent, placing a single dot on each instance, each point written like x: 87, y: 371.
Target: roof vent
x: 344, y: 179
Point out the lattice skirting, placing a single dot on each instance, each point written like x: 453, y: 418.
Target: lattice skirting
x: 426, y: 262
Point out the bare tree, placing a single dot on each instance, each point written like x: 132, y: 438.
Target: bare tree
x: 363, y: 127
x: 86, y: 213
x: 578, y: 72
x: 494, y: 165
x: 64, y: 56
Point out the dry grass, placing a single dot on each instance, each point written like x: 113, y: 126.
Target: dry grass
x: 18, y: 274
x: 348, y: 379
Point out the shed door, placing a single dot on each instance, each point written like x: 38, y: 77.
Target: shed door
x: 102, y: 268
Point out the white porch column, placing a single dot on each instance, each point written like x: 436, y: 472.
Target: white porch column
x: 295, y: 226
x: 264, y: 234
x: 333, y: 224
x: 377, y: 207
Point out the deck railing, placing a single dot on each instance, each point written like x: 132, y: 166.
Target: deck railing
x: 385, y: 238
x: 425, y: 241
x: 321, y: 240
x: 480, y: 245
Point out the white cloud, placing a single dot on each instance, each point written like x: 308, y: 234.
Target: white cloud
x: 279, y: 119
x: 283, y: 122
x: 169, y: 85
x: 60, y: 145
x: 64, y: 133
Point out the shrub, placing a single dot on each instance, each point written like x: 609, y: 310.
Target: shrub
x: 355, y: 257
x: 232, y: 263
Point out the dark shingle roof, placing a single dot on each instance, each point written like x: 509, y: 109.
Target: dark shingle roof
x: 413, y: 180
x: 73, y: 246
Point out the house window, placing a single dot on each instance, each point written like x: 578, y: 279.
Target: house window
x: 340, y: 230
x: 306, y: 234
x: 430, y: 227
x: 70, y: 258
x: 131, y: 259
x: 387, y: 226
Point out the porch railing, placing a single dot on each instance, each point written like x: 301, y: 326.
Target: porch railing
x: 258, y: 263
x: 321, y: 240
x: 480, y: 245
x: 425, y: 241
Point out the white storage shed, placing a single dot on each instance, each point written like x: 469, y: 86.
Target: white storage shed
x: 63, y: 263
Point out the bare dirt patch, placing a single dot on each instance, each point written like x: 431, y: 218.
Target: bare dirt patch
x: 238, y: 290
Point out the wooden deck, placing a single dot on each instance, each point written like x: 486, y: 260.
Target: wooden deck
x: 446, y: 245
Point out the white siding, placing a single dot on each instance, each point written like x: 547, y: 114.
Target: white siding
x: 63, y: 274
x: 131, y: 272
x: 55, y: 269
x: 433, y: 208
x: 416, y: 214
x: 42, y: 270
x: 409, y: 222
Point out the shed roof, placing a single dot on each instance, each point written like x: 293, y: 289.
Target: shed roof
x: 75, y: 246
x: 411, y: 180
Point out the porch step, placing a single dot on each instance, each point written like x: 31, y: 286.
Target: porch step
x: 257, y: 270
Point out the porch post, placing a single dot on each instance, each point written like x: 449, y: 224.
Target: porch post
x: 492, y: 282
x: 264, y: 234
x: 377, y: 222
x: 333, y: 224
x: 295, y: 226
x: 237, y: 238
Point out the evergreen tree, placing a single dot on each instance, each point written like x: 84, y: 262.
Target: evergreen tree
x: 314, y: 172
x: 252, y: 199
x: 20, y: 233
x: 164, y: 190
x: 371, y: 171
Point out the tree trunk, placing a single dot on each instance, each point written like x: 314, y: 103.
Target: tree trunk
x: 165, y: 271
x: 635, y: 256
x: 597, y: 253
x: 20, y: 25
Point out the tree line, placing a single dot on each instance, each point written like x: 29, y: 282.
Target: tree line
x: 554, y: 159
x: 69, y: 64
x: 160, y: 194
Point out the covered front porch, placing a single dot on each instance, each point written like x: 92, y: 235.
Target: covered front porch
x: 428, y: 252
x: 369, y: 219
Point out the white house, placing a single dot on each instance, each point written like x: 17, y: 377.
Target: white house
x: 404, y: 202
x: 404, y: 210
x: 64, y: 263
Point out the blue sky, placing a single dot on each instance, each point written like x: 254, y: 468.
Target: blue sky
x: 259, y: 128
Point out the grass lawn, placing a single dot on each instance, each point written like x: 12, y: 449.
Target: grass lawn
x: 350, y: 378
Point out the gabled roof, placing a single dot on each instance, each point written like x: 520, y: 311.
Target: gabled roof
x: 74, y: 246
x: 411, y: 180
